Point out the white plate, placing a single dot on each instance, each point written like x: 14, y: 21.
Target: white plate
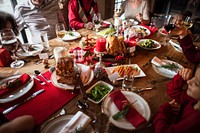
x: 57, y: 124
x: 141, y: 106
x: 99, y: 82
x: 69, y: 87
x: 18, y: 92
x: 142, y: 27
x: 110, y: 69
x: 69, y: 37
x: 176, y: 45
x: 144, y: 40
x: 37, y: 50
x: 166, y: 72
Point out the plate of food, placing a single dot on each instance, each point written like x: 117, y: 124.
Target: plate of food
x: 109, y: 108
x: 141, y: 30
x: 176, y: 45
x: 87, y: 41
x: 149, y: 44
x: 17, y: 92
x: 56, y: 125
x: 29, y: 50
x: 71, y: 35
x: 166, y: 68
x: 85, y: 70
x: 106, y: 32
x: 99, y: 91
x: 132, y: 69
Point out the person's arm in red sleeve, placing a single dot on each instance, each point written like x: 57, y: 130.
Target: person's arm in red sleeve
x: 189, y: 49
x: 74, y: 19
x: 166, y: 121
x: 175, y: 89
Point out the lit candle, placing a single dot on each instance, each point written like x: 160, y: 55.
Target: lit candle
x: 101, y: 45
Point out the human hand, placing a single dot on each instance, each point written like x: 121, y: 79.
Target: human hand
x: 89, y: 25
x: 179, y: 30
x: 175, y: 106
x: 185, y: 73
x: 139, y: 17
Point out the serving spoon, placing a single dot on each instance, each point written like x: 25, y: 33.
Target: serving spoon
x: 39, y: 74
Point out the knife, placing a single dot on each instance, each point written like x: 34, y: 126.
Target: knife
x: 18, y: 104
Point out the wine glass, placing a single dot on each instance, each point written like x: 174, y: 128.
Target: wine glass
x: 60, y: 31
x: 188, y: 22
x: 9, y: 42
x: 168, y: 25
x: 97, y: 21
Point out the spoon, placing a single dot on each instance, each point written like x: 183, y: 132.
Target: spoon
x: 52, y: 69
x: 39, y: 74
x: 41, y: 82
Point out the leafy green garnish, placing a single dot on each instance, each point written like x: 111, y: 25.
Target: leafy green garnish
x: 171, y: 66
x: 121, y: 113
x: 124, y: 111
x: 98, y: 92
x: 108, y: 31
x: 70, y: 33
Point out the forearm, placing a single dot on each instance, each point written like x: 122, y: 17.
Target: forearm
x: 189, y: 49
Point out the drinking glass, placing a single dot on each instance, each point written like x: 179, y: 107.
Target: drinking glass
x: 168, y: 25
x: 127, y: 83
x: 97, y: 21
x: 60, y: 31
x: 9, y: 42
x: 188, y: 22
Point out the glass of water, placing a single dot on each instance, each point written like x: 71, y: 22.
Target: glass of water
x: 127, y: 83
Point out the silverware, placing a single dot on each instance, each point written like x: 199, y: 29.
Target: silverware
x: 135, y: 89
x: 41, y: 82
x: 39, y: 74
x: 158, y: 80
x: 29, y: 98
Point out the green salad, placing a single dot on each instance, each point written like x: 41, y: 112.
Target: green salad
x: 148, y: 44
x: 98, y: 92
x: 108, y: 31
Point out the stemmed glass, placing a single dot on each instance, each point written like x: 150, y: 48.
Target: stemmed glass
x: 97, y: 21
x: 168, y: 25
x: 188, y: 22
x: 60, y: 31
x: 9, y: 42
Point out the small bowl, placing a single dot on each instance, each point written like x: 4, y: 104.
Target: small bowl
x: 97, y: 83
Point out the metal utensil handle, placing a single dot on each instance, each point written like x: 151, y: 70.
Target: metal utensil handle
x: 16, y: 105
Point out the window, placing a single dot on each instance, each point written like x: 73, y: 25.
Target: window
x: 118, y: 4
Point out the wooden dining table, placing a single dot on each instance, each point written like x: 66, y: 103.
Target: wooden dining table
x: 142, y: 57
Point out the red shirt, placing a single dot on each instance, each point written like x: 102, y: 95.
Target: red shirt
x: 188, y: 119
x: 189, y: 49
x: 77, y: 13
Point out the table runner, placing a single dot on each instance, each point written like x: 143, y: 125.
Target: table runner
x: 43, y: 105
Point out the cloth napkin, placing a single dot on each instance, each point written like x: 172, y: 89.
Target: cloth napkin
x: 79, y: 120
x: 16, y: 83
x: 158, y: 62
x: 105, y: 24
x: 42, y: 106
x: 133, y: 116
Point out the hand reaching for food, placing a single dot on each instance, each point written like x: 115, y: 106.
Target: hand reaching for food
x: 185, y: 73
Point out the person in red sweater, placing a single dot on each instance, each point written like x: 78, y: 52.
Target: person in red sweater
x: 182, y: 114
x: 185, y: 39
x: 80, y: 13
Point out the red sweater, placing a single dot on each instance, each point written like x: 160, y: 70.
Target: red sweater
x: 76, y: 12
x: 189, y: 50
x: 188, y: 119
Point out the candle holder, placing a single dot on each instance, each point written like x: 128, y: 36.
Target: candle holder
x: 100, y: 64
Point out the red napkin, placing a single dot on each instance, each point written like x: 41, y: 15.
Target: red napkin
x: 133, y: 116
x: 104, y: 24
x: 16, y: 83
x: 42, y: 106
